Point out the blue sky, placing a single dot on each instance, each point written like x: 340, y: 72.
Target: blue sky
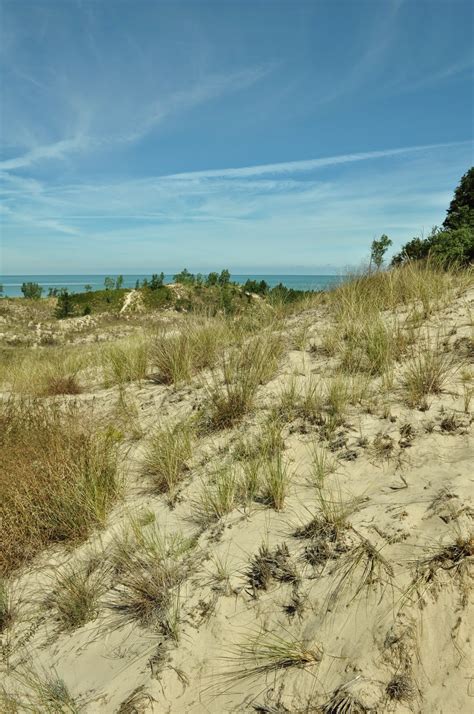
x: 140, y: 136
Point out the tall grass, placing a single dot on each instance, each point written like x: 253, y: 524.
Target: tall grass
x: 243, y: 370
x: 44, y: 372
x: 58, y: 478
x: 125, y: 361
x: 426, y: 373
x: 150, y: 566
x: 196, y: 346
x: 416, y: 284
x: 166, y: 456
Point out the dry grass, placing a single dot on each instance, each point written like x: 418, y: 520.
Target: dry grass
x: 150, y: 567
x: 58, y: 478
x: 76, y: 595
x: 268, y: 565
x: 218, y: 497
x: 417, y: 285
x: 276, y: 482
x: 243, y: 370
x: 7, y: 609
x: 166, y: 457
x: 361, y: 568
x: 196, y: 346
x: 427, y: 373
x: 47, y: 372
x: 267, y: 653
x: 125, y: 361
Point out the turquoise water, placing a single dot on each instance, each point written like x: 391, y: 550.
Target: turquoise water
x: 75, y: 283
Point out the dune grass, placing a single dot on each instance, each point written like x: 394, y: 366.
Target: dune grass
x: 231, y: 392
x: 125, y: 361
x: 58, y: 478
x: 75, y: 597
x: 265, y: 653
x: 166, y: 457
x: 150, y: 565
x: 196, y: 345
x: 50, y: 371
x: 427, y: 373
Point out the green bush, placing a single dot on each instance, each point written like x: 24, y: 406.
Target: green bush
x: 454, y: 242
x: 31, y: 290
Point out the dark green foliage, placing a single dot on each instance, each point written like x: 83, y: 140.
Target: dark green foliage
x: 256, y: 287
x: 224, y: 278
x: 280, y: 293
x: 97, y: 300
x: 52, y: 292
x: 109, y: 283
x: 454, y: 242
x: 461, y: 209
x: 157, y: 297
x: 378, y: 249
x: 88, y: 288
x: 87, y: 310
x: 212, y: 279
x: 64, y: 308
x: 119, y: 282
x: 137, y: 284
x: 156, y: 281
x: 444, y: 246
x: 415, y: 249
x: 31, y: 290
x: 184, y: 277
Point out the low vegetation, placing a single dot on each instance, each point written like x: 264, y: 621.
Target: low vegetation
x: 294, y: 472
x: 58, y: 478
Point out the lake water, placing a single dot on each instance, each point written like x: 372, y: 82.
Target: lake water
x: 75, y: 283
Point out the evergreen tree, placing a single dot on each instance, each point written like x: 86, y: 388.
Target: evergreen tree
x: 156, y: 281
x: 64, y: 307
x: 461, y: 209
x: 212, y: 279
x: 224, y: 278
x: 31, y: 290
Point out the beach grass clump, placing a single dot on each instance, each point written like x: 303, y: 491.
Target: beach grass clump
x: 150, y: 566
x: 276, y: 481
x: 76, y: 595
x: 218, y: 497
x: 372, y: 344
x: 268, y: 565
x: 269, y: 653
x: 58, y: 477
x: 40, y: 692
x: 126, y: 361
x: 323, y: 464
x: 167, y: 456
x: 427, y: 373
x: 197, y: 345
x: 231, y: 393
x: 48, y: 372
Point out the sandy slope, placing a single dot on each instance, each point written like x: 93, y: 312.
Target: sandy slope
x: 363, y: 629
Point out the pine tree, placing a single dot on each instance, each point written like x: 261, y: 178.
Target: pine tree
x: 461, y: 209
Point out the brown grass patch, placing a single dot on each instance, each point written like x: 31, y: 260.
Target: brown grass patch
x: 58, y: 478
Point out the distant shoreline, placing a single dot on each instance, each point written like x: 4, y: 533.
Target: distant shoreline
x: 76, y: 282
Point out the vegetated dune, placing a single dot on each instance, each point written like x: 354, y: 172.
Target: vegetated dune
x: 276, y: 515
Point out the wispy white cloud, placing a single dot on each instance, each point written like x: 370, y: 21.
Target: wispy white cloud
x: 309, y: 164
x: 57, y: 150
